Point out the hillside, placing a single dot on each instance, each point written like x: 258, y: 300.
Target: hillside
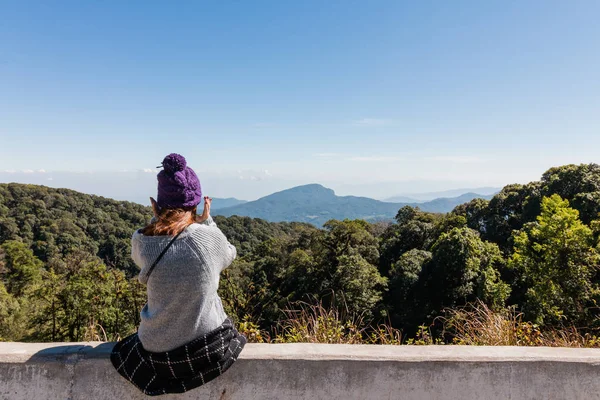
x: 218, y: 203
x: 312, y: 203
x: 56, y: 222
x: 447, y: 204
x: 423, y: 197
x: 317, y: 204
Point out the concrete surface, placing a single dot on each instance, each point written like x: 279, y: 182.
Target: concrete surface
x: 307, y: 371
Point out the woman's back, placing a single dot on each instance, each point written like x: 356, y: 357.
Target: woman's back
x: 183, y: 303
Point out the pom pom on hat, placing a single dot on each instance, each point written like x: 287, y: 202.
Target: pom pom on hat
x: 174, y: 163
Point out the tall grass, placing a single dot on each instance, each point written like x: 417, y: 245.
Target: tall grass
x: 315, y: 323
x: 475, y: 324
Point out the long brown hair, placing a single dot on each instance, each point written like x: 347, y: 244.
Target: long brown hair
x: 171, y: 221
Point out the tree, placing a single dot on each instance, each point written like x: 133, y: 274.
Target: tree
x: 57, y: 222
x: 588, y: 205
x: 19, y: 267
x: 556, y: 260
x: 514, y: 206
x: 12, y: 319
x: 347, y: 254
x: 336, y: 266
x: 580, y: 184
x: 475, y: 213
x: 82, y: 299
x: 21, y: 274
x: 404, y: 285
x: 359, y: 285
x: 46, y: 319
x: 406, y: 214
x: 415, y: 229
x: 462, y: 268
x: 568, y: 181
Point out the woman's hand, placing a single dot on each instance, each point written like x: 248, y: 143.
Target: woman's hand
x: 155, y: 208
x: 206, y: 212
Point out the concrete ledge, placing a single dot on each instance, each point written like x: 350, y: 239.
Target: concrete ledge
x: 310, y: 371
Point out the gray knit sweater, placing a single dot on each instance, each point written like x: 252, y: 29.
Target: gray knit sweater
x: 182, y: 290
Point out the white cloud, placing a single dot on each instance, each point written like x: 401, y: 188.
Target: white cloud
x: 267, y: 173
x: 150, y: 170
x: 250, y: 178
x: 50, y: 179
x: 459, y: 159
x: 374, y: 158
x: 25, y: 171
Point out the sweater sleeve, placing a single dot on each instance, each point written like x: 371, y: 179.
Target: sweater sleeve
x: 209, y: 222
x: 136, y: 252
x: 212, y: 245
x: 231, y: 253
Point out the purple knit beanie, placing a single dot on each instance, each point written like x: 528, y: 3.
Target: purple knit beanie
x: 178, y: 185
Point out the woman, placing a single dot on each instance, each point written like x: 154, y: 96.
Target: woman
x: 185, y: 338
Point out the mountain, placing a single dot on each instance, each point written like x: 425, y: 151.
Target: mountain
x: 454, y: 193
x: 311, y: 203
x: 447, y: 204
x: 317, y: 204
x: 218, y: 203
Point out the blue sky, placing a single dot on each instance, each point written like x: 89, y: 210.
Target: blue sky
x: 370, y: 98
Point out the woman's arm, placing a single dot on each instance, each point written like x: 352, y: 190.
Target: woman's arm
x: 205, y: 217
x: 231, y: 254
x: 212, y: 240
x: 136, y: 255
x: 213, y: 247
x: 227, y: 249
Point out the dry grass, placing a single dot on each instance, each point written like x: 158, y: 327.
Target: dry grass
x: 475, y: 324
x: 315, y: 323
x: 478, y: 325
x: 94, y: 332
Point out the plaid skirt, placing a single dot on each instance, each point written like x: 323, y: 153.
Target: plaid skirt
x: 181, y: 369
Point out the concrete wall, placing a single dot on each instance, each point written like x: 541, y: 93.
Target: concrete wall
x: 307, y: 371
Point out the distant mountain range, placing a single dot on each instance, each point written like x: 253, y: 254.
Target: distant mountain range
x: 218, y: 203
x: 423, y: 197
x: 317, y: 204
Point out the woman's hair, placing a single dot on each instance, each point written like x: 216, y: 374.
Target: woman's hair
x: 171, y: 221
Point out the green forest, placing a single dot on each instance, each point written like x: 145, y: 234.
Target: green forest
x: 532, y: 250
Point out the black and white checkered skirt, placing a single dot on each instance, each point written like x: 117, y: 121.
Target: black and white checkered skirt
x: 181, y: 369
